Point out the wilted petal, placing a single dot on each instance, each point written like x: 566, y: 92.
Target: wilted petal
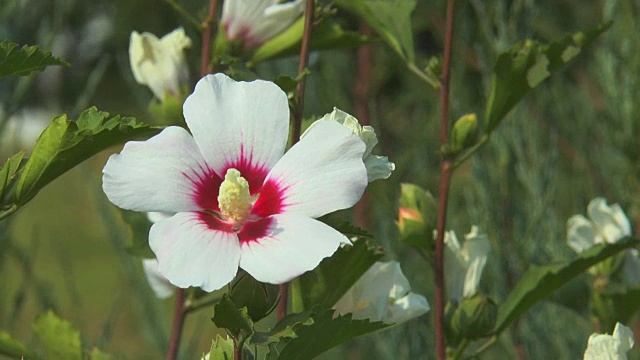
x: 241, y: 125
x: 155, y: 175
x: 322, y: 173
x: 581, y: 234
x: 407, y: 308
x: 475, y: 250
x: 610, y: 221
x: 283, y: 247
x: 191, y: 251
x: 610, y: 347
x: 159, y: 284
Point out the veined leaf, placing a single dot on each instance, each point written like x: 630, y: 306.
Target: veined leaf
x: 390, y: 18
x: 65, y: 144
x: 8, y: 171
x: 324, y: 333
x: 525, y: 66
x: 540, y: 281
x: 22, y: 62
x: 326, y: 284
x: 59, y: 339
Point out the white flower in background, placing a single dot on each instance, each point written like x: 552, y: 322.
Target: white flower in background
x: 610, y: 347
x: 382, y: 294
x: 160, y: 63
x: 378, y: 167
x: 159, y: 284
x: 606, y: 224
x: 256, y: 21
x: 464, y: 264
x: 237, y: 199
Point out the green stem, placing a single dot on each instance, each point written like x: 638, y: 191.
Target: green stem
x: 485, y: 346
x: 9, y: 211
x: 470, y: 151
x: 461, y: 348
x: 424, y: 76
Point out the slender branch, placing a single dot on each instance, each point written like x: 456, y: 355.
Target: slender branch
x: 297, y: 120
x: 180, y: 10
x: 445, y: 182
x: 176, y: 328
x: 424, y: 76
x: 206, y: 39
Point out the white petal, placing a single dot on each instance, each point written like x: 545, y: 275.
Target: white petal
x: 407, y: 308
x: 608, y: 347
x: 610, y: 221
x: 455, y: 267
x: 476, y: 250
x: 159, y: 284
x: 154, y: 175
x: 322, y: 173
x: 192, y: 253
x: 238, y: 122
x: 581, y: 234
x: 293, y: 244
x: 378, y: 167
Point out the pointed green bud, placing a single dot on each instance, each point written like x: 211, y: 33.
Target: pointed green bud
x: 259, y: 298
x: 417, y: 214
x: 475, y: 317
x: 464, y: 133
x: 434, y: 67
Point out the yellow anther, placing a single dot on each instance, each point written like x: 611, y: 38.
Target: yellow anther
x: 234, y: 198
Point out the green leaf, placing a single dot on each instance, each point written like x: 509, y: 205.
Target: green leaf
x: 260, y: 299
x: 525, y: 66
x: 97, y: 354
x: 390, y: 18
x: 65, y: 144
x: 59, y: 339
x: 326, y: 35
x: 328, y: 282
x: 221, y: 349
x: 22, y: 62
x: 289, y: 84
x: 11, y: 347
x: 343, y: 226
x: 138, y: 226
x: 326, y: 332
x: 227, y: 315
x: 8, y: 171
x: 540, y: 281
x: 284, y: 329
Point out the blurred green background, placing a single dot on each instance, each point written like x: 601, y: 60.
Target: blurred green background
x: 574, y: 138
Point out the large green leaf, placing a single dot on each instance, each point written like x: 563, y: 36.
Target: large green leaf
x: 525, y: 66
x: 21, y: 62
x: 12, y: 348
x: 58, y: 338
x: 540, y: 281
x: 284, y: 329
x: 324, y: 333
x: 65, y: 143
x: 390, y: 18
x: 326, y: 284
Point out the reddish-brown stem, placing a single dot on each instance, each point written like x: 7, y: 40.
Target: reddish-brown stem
x: 237, y: 349
x: 305, y: 48
x: 362, y: 109
x: 445, y: 182
x: 206, y: 38
x: 176, y: 328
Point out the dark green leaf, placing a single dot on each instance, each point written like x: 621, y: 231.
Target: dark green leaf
x: 284, y: 329
x: 58, y: 338
x: 11, y: 347
x: 227, y: 315
x: 390, y: 18
x: 21, y: 62
x: 65, y: 144
x: 540, y: 281
x: 138, y: 226
x: 8, y: 171
x: 525, y: 66
x: 221, y: 349
x: 259, y: 298
x: 344, y: 226
x: 326, y: 284
x: 324, y: 333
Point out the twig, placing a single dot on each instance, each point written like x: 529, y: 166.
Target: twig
x: 206, y: 38
x: 297, y: 120
x: 445, y: 181
x: 176, y: 328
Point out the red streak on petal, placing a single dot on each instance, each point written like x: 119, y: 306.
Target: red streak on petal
x: 270, y: 201
x: 213, y: 223
x: 206, y: 184
x: 254, y: 230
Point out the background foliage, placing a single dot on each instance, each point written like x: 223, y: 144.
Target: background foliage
x: 574, y: 138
